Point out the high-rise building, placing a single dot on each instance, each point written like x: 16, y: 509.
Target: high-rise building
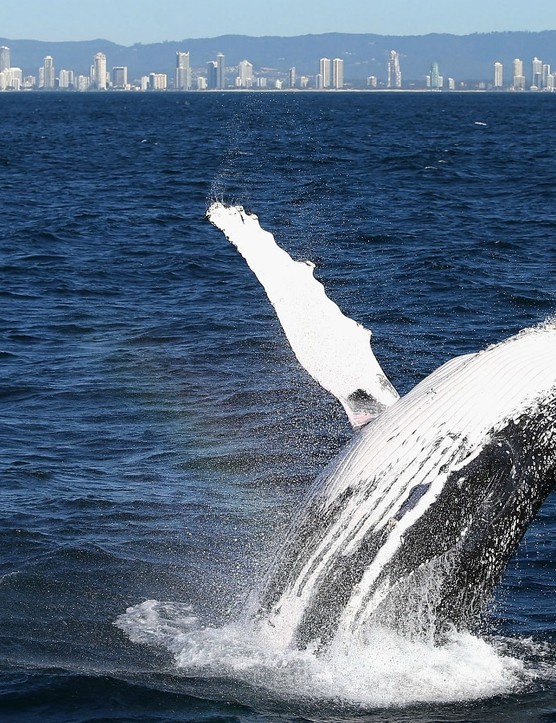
x: 536, y: 73
x: 49, y: 74
x: 436, y: 80
x: 158, y: 81
x: 15, y: 78
x: 99, y: 71
x: 545, y: 75
x: 519, y: 78
x: 245, y: 74
x: 183, y: 71
x: 325, y: 72
x: 212, y: 75
x: 220, y: 72
x: 83, y: 82
x: 119, y: 77
x: 292, y: 77
x: 11, y: 79
x: 394, y: 79
x: 4, y: 58
x: 66, y: 79
x: 498, y: 75
x: 337, y: 73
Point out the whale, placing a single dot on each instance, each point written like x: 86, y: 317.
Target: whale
x: 412, y: 524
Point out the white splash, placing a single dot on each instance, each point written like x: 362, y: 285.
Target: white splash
x: 384, y: 670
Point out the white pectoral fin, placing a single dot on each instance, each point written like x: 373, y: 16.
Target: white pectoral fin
x: 334, y: 349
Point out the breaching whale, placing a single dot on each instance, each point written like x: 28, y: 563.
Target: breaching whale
x: 413, y: 523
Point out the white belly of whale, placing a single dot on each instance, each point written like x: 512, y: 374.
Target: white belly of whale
x: 394, y: 472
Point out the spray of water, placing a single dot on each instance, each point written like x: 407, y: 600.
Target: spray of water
x: 380, y: 669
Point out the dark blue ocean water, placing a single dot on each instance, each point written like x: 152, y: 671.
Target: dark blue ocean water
x: 156, y: 432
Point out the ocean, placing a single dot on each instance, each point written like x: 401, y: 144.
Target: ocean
x: 157, y: 433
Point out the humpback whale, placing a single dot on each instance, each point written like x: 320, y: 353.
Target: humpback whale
x: 412, y: 524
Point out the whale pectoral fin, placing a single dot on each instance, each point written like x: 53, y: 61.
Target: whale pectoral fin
x: 333, y: 348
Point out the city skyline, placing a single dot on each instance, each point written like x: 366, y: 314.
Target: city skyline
x: 330, y: 75
x: 128, y: 22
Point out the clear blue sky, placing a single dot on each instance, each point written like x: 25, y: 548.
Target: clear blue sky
x: 148, y: 21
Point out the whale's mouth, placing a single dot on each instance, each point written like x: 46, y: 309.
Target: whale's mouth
x: 384, y: 670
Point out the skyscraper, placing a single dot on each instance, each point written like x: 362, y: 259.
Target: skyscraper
x: 292, y: 77
x: 337, y: 73
x: 15, y: 78
x: 498, y: 75
x: 66, y: 79
x: 519, y: 78
x: 325, y: 72
x: 245, y: 74
x: 394, y: 79
x: 83, y: 82
x: 119, y: 77
x: 4, y: 58
x: 212, y: 75
x: 158, y: 81
x: 220, y: 72
x: 437, y: 80
x: 49, y: 74
x: 536, y: 73
x: 183, y: 71
x: 11, y: 78
x: 99, y: 72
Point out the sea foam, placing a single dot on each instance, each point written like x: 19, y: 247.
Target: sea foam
x: 381, y: 670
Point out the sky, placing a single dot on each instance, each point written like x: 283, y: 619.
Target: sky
x: 149, y: 21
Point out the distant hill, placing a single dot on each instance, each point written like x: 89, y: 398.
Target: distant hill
x: 465, y: 57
